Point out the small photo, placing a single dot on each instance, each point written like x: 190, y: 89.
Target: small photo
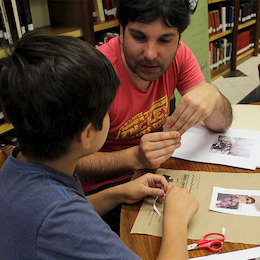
x: 234, y: 146
x: 234, y: 201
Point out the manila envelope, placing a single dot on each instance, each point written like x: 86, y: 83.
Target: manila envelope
x: 239, y: 229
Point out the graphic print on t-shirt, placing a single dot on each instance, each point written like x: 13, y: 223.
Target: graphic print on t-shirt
x: 145, y: 122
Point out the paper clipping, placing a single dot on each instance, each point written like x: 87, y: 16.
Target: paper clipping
x: 246, y: 254
x: 234, y: 201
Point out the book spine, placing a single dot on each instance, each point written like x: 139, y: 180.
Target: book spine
x: 11, y: 20
x: 22, y: 17
x: 2, y: 29
x: 27, y: 11
x: 223, y: 18
x: 8, y: 35
x: 99, y: 10
x: 16, y: 18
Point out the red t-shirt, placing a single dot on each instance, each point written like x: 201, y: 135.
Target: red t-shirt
x: 135, y: 112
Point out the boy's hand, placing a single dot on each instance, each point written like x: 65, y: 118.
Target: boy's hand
x: 146, y: 185
x: 179, y: 204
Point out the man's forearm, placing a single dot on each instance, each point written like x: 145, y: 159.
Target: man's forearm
x: 221, y: 117
x: 104, y: 165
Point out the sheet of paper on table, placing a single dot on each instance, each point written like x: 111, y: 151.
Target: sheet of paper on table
x: 246, y: 117
x: 246, y: 254
x: 239, y: 229
x: 237, y: 147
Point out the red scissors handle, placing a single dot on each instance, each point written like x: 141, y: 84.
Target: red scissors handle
x: 209, y: 243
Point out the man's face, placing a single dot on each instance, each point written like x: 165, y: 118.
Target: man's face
x: 149, y: 48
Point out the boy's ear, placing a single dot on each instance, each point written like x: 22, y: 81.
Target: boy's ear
x: 85, y: 136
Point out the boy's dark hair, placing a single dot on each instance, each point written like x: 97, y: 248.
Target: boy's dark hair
x: 174, y: 13
x: 51, y: 88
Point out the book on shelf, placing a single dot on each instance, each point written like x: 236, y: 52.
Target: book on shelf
x: 210, y: 25
x: 28, y: 15
x: 103, y: 10
x: 230, y: 15
x: 22, y: 16
x: 247, y: 10
x: 13, y: 19
x: 220, y: 53
x: 99, y: 10
x: 223, y: 18
x: 216, y: 21
x: 16, y: 19
x: 107, y: 12
x: 94, y: 15
x: 105, y: 37
x: 2, y: 120
x: 2, y: 28
x: 243, y: 42
x: 7, y: 29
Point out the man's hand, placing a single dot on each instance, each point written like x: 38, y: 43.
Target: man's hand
x: 202, y: 102
x: 155, y: 148
x: 146, y: 185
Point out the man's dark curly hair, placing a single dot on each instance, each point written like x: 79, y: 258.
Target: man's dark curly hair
x: 174, y: 13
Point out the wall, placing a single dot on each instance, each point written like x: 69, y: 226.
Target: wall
x: 197, y: 38
x: 40, y: 13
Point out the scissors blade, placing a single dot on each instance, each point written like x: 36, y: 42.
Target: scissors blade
x: 192, y: 246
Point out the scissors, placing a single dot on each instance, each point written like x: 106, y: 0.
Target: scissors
x: 209, y: 243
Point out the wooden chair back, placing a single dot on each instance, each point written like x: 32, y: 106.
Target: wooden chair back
x: 4, y: 153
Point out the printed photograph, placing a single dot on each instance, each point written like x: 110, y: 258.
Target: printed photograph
x: 235, y: 201
x: 241, y: 147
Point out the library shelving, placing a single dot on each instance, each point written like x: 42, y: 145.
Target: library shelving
x: 244, y: 30
x: 63, y: 17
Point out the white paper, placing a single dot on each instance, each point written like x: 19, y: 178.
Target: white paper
x: 236, y: 201
x: 237, y: 147
x: 246, y: 254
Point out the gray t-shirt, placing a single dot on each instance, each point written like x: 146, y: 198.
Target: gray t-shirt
x: 44, y: 215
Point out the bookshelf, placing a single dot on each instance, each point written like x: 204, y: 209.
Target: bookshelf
x: 100, y: 26
x: 63, y: 17
x: 233, y: 35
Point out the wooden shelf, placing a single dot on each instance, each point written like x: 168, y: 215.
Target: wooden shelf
x: 246, y: 24
x: 219, y: 35
x: 105, y: 25
x: 5, y: 127
x: 215, y: 1
x: 246, y: 55
x: 62, y: 30
x: 219, y: 72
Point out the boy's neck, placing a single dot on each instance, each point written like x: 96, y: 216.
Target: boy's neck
x: 64, y: 164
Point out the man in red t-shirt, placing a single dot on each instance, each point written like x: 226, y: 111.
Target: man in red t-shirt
x: 151, y: 61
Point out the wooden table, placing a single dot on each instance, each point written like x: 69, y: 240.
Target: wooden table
x: 146, y: 246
